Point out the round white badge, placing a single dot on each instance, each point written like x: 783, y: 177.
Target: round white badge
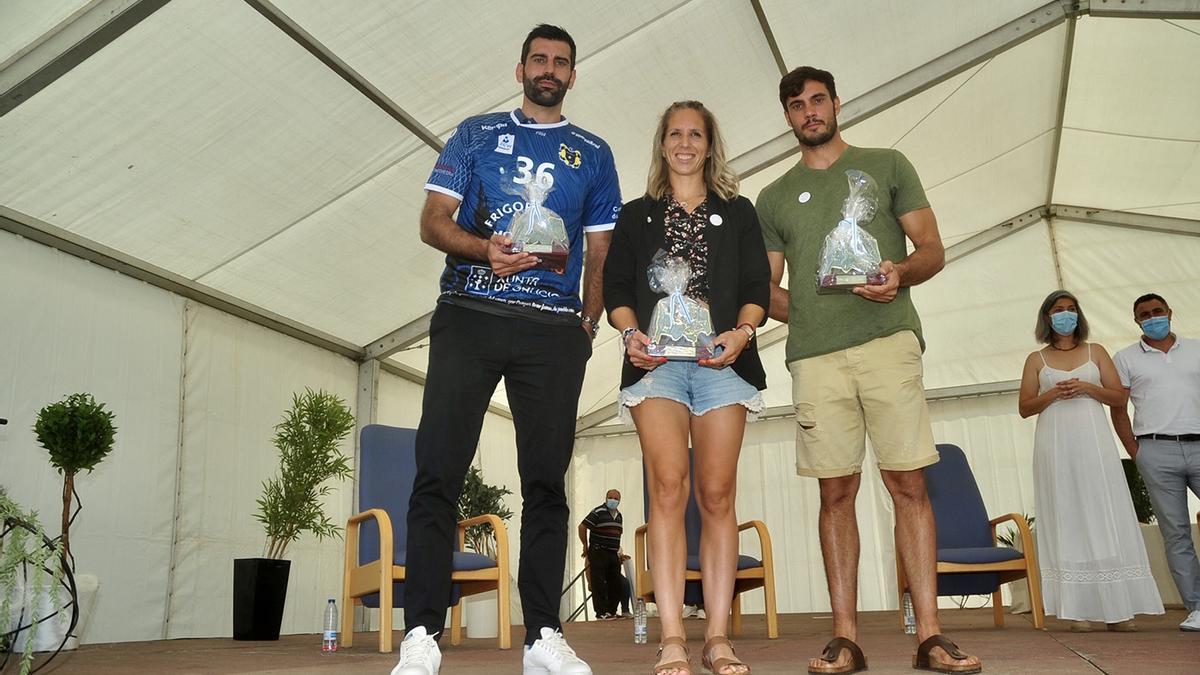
x: 715, y: 219
x: 804, y: 197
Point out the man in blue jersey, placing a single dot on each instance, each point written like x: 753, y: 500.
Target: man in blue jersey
x: 504, y: 315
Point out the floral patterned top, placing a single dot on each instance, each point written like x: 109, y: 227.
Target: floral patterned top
x: 684, y: 238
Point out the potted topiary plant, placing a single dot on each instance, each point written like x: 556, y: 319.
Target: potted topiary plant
x: 307, y: 440
x: 477, y: 499
x: 78, y: 433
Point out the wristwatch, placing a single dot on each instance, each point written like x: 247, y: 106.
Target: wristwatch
x: 591, y: 324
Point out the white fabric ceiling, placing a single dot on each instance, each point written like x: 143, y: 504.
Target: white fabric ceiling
x: 207, y: 142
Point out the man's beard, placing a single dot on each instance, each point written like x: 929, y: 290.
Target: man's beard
x: 547, y: 98
x: 821, y: 139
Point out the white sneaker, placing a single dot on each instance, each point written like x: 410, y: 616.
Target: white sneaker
x: 419, y: 654
x: 551, y: 655
x: 1192, y: 622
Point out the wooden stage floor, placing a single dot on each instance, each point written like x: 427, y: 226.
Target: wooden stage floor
x: 1159, y: 648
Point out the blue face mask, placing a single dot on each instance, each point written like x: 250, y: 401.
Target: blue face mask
x: 1064, y: 323
x: 612, y: 504
x: 1157, y: 328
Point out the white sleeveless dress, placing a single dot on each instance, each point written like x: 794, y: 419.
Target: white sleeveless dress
x: 1090, y: 548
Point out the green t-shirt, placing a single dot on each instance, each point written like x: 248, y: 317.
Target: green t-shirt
x: 799, y: 208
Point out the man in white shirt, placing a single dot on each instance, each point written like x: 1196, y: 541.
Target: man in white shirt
x: 1161, y: 371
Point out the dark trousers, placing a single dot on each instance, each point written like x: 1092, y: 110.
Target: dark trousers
x: 542, y: 367
x: 607, y: 588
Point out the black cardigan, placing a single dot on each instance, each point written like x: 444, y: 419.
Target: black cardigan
x: 738, y: 271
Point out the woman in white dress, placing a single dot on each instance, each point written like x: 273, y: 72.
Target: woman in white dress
x: 1090, y: 549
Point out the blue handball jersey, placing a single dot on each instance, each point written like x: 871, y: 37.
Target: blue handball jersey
x: 485, y: 165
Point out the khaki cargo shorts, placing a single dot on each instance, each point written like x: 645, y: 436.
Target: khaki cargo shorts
x: 874, y: 388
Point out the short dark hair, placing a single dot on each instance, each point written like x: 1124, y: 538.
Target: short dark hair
x: 1042, y: 329
x: 1147, y: 298
x: 548, y: 32
x: 793, y: 83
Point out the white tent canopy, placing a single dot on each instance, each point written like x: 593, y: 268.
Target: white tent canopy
x: 260, y: 165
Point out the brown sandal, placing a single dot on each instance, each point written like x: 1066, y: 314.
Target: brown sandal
x: 721, y: 662
x: 674, y: 640
x: 833, y: 649
x: 921, y: 660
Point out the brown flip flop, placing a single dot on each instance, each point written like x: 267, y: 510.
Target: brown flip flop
x: 921, y: 660
x: 833, y: 649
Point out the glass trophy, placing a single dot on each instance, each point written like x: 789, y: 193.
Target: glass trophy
x: 680, y: 326
x: 538, y: 230
x: 850, y: 256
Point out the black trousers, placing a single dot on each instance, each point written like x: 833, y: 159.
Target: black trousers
x: 607, y: 588
x: 542, y: 367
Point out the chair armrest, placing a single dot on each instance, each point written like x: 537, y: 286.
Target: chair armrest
x: 378, y: 514
x: 640, y: 565
x: 354, y: 524
x: 498, y: 529
x: 764, y: 539
x: 1022, y: 528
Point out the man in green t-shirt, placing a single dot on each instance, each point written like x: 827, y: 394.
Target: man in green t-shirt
x: 855, y: 359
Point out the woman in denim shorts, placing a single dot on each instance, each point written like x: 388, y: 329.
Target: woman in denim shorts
x: 691, y: 210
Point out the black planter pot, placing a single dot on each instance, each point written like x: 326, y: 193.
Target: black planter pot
x: 259, y: 591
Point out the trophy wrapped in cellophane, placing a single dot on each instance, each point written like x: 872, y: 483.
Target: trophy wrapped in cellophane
x: 539, y: 231
x: 850, y: 256
x: 680, y: 327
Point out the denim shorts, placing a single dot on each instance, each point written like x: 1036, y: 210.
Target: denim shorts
x: 700, y: 389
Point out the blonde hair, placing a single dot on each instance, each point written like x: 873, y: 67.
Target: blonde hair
x: 718, y: 175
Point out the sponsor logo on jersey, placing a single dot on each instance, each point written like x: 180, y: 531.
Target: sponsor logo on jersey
x: 570, y: 156
x: 585, y: 139
x: 504, y: 143
x: 442, y: 167
x: 507, y: 209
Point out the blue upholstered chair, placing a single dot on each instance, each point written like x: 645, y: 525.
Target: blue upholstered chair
x: 376, y: 537
x: 752, y: 573
x: 969, y: 561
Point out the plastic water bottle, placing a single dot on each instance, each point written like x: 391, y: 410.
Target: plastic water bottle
x: 329, y: 637
x: 639, y: 622
x: 910, y: 619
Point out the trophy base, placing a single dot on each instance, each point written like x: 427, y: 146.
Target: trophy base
x: 845, y: 282
x: 551, y: 259
x: 680, y: 352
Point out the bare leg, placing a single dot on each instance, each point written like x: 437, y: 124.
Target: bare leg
x: 916, y: 546
x: 662, y: 427
x: 717, y: 436
x: 839, y: 549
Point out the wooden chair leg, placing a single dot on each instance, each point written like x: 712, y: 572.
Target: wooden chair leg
x: 998, y: 608
x: 385, y: 616
x: 769, y: 602
x: 456, y: 622
x: 504, y: 611
x: 348, y: 605
x: 736, y: 624
x: 350, y: 537
x: 1035, y: 598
